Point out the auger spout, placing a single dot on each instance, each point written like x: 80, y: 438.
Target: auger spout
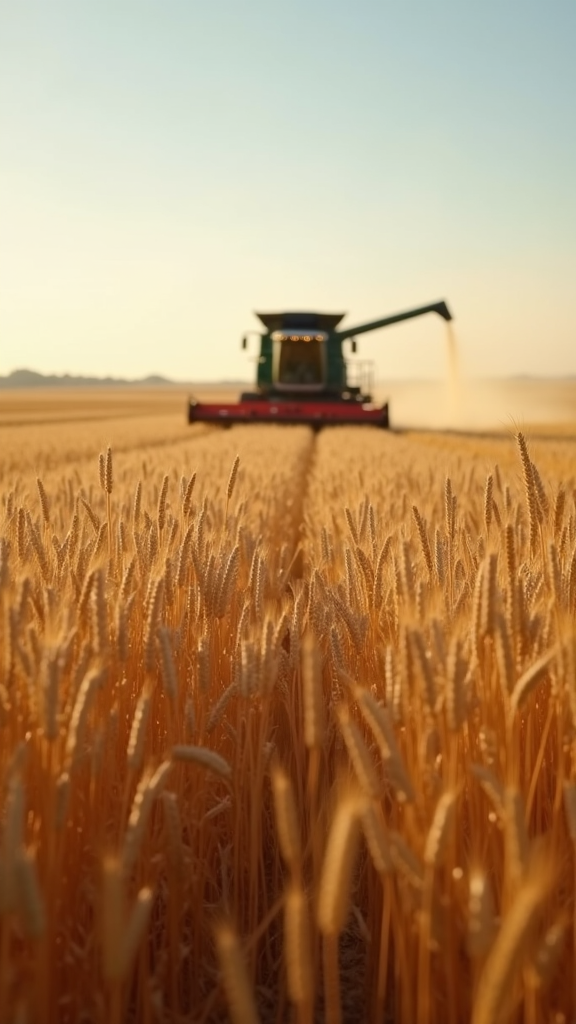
x: 436, y: 307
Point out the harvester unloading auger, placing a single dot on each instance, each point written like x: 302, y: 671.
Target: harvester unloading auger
x: 303, y: 376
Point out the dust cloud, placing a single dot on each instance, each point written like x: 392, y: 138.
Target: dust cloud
x: 453, y: 375
x: 460, y: 403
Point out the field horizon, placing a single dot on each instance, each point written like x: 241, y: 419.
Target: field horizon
x: 499, y: 405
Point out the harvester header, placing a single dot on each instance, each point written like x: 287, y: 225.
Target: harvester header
x: 303, y: 375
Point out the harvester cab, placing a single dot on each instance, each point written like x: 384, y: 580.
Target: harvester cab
x: 303, y: 375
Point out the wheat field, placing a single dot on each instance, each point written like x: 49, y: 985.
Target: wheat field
x: 287, y: 721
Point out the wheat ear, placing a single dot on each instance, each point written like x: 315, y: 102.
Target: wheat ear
x: 510, y: 948
x: 239, y: 994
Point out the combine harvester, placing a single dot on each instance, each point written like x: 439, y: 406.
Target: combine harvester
x: 303, y: 376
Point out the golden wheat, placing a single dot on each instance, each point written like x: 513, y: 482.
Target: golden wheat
x: 179, y: 619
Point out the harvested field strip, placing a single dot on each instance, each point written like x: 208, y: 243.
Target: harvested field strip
x: 38, y: 449
x: 52, y: 404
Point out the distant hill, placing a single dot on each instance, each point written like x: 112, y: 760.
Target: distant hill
x: 31, y: 379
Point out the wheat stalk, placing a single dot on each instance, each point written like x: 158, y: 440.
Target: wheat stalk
x: 511, y: 946
x: 239, y: 994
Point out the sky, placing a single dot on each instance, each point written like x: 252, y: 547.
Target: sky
x: 167, y: 168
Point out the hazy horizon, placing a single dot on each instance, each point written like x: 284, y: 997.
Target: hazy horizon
x: 440, y: 379
x: 167, y: 170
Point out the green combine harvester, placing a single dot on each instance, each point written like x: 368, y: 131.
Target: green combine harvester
x: 303, y: 375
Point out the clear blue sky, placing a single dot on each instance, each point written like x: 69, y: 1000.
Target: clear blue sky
x: 166, y: 168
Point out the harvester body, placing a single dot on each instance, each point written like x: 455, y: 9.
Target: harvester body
x: 303, y: 375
